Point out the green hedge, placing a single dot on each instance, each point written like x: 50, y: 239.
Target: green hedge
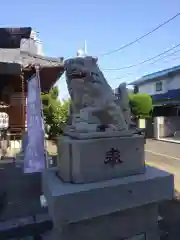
x: 141, y: 105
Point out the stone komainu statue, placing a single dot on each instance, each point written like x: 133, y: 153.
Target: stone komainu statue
x: 93, y: 100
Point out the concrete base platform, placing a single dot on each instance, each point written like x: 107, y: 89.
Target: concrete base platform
x: 75, y: 205
x: 133, y: 224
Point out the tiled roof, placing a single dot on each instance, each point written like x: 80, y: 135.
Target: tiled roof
x: 155, y: 75
x: 11, y: 37
x: 25, y: 58
x: 12, y: 60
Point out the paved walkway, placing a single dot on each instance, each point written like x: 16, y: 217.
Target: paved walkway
x: 171, y: 140
x: 166, y: 156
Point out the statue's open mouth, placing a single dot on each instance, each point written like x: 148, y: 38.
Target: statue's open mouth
x: 74, y: 74
x: 78, y: 75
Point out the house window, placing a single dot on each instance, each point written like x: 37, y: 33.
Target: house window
x: 158, y: 86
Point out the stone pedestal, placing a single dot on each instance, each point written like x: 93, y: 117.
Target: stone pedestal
x: 121, y: 208
x: 90, y: 160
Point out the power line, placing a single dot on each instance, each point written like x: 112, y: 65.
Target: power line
x: 140, y: 38
x: 171, y: 54
x: 145, y: 61
x: 173, y: 59
x: 121, y: 77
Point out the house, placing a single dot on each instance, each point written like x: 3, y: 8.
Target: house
x: 20, y: 51
x: 164, y: 88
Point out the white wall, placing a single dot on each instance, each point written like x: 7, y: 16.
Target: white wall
x: 168, y: 83
x: 173, y: 82
x: 150, y: 88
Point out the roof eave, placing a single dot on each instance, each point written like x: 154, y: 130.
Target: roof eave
x: 142, y: 81
x: 50, y: 68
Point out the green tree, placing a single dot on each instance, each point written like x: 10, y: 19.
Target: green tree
x: 141, y: 105
x: 55, y: 112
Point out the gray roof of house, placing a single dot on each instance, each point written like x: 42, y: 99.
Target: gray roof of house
x: 156, y: 75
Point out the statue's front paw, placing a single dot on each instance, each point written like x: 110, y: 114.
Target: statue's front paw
x: 113, y: 127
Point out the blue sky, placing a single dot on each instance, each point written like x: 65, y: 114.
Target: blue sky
x: 105, y: 25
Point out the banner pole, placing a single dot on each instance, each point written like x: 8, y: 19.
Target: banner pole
x: 22, y: 103
x: 37, y: 68
x: 35, y: 155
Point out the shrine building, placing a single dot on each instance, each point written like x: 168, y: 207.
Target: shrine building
x: 20, y: 51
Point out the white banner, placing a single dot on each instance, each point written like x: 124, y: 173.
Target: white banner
x: 35, y: 158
